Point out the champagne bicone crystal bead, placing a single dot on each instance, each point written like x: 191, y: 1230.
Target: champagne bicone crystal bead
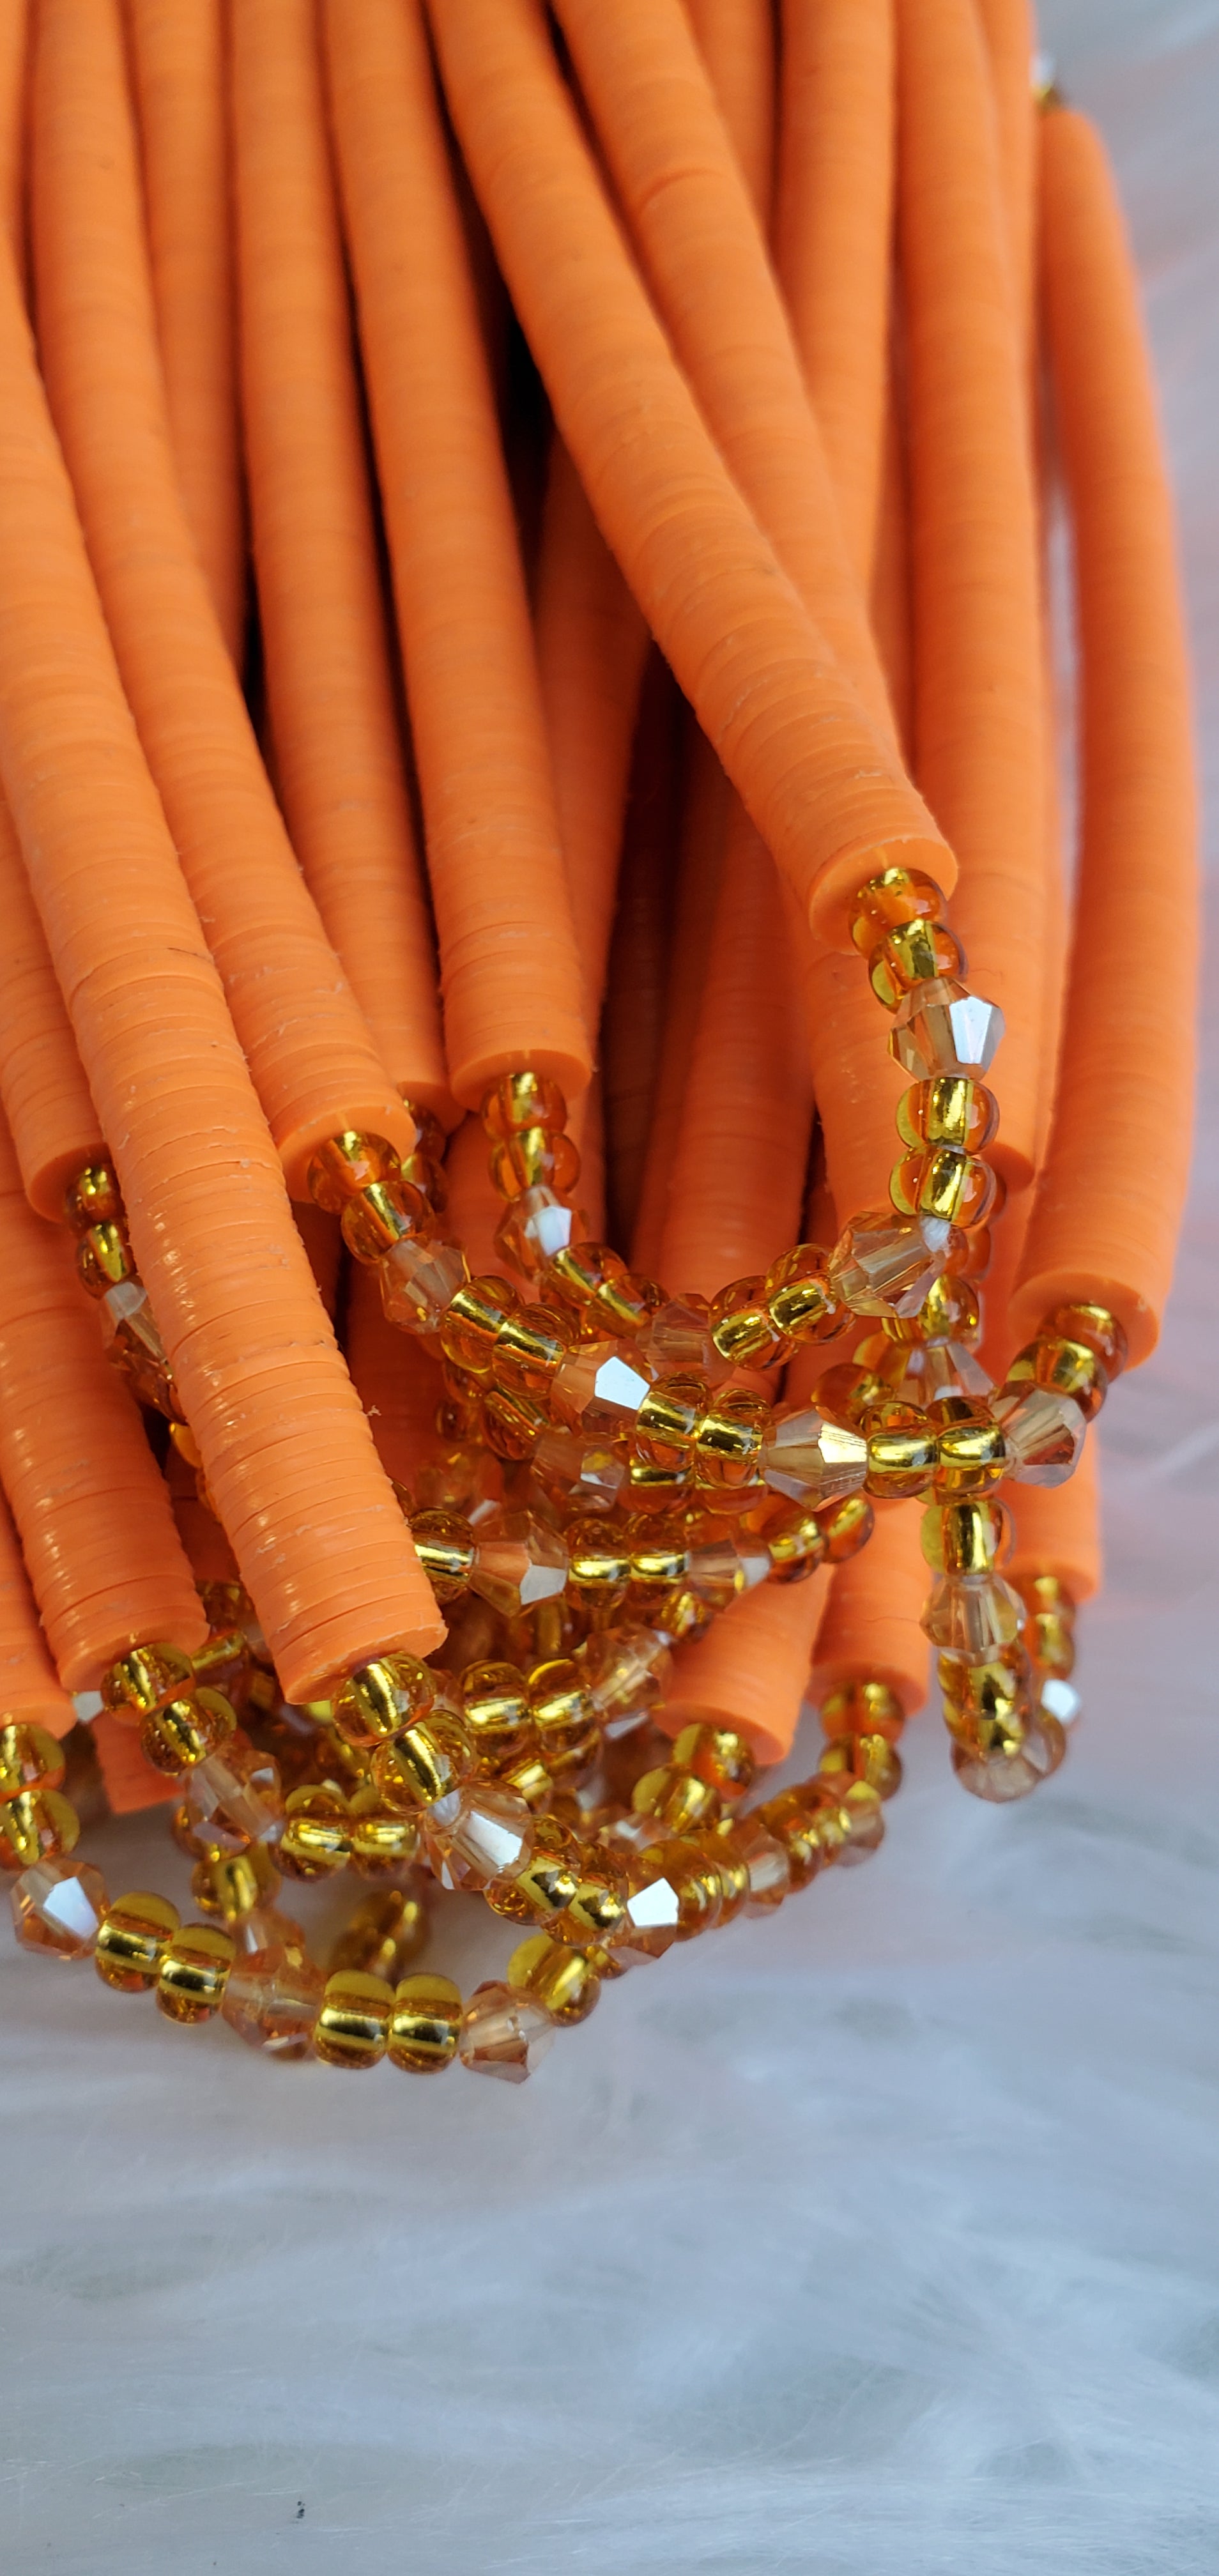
x: 598, y: 1390
x: 886, y: 1265
x: 419, y: 1278
x: 942, y: 1028
x: 972, y: 1615
x: 1043, y: 1433
x: 504, y: 2033
x: 677, y: 1340
x: 536, y: 1227
x: 58, y: 1907
x: 1000, y: 1777
x: 519, y: 1562
x: 272, y: 2000
x: 812, y: 1460
x: 489, y: 1836
x: 582, y: 1473
x: 133, y: 1339
x: 626, y: 1671
x: 234, y: 1798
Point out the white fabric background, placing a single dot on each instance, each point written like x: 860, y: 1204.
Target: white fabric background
x: 878, y: 2241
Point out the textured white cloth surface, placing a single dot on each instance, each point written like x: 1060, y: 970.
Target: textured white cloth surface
x: 876, y: 2241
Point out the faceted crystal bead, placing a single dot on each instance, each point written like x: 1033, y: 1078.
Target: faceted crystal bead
x: 1060, y: 1700
x: 861, y: 1814
x: 766, y: 1862
x: 812, y: 1460
x: 599, y: 1390
x: 940, y: 1369
x: 972, y: 1615
x: 58, y: 1907
x: 626, y: 1671
x: 536, y: 1226
x: 886, y: 1265
x: 272, y: 2000
x: 135, y: 1345
x: 565, y: 1981
x: 584, y: 1475
x: 1044, y: 1432
x: 504, y: 2033
x: 518, y: 1562
x: 677, y: 1342
x: 716, y: 1572
x: 1001, y: 1777
x: 419, y: 1280
x: 653, y: 1914
x: 234, y: 1798
x: 940, y: 1027
x: 490, y: 1836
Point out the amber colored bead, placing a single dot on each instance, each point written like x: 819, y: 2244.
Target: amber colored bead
x: 679, y: 1801
x: 546, y: 1885
x: 718, y: 1755
x: 518, y: 1101
x: 719, y: 1846
x: 694, y: 1873
x: 36, y: 1824
x: 889, y: 899
x: 870, y: 1758
x: 599, y: 1562
x: 316, y: 1838
x: 529, y: 1776
x: 387, y: 1213
x: 533, y: 1154
x: 792, y: 1817
x: 136, y: 1933
x: 798, y: 1296
x: 1012, y: 1771
x: 382, y: 1843
x: 660, y: 1557
x: 444, y: 1546
x: 144, y: 1678
x: 1079, y: 1322
x: 231, y: 1884
x: 593, y: 1277
x: 846, y: 1526
x: 558, y: 1697
x: 1049, y: 1635
x: 948, y: 1109
x: 743, y: 1329
x: 984, y: 1696
x: 184, y: 1732
x: 531, y: 1344
x: 595, y: 1913
x: 30, y: 1758
x: 346, y: 1164
x: 795, y: 1544
x: 194, y: 1972
x: 950, y: 1312
x: 92, y: 1198
x: 968, y: 1537
x: 863, y: 1708
x: 382, y: 1697
x: 915, y: 952
x: 730, y: 1437
x: 668, y: 1418
x: 425, y: 2023
x: 972, y: 1449
x: 473, y: 1318
x: 513, y: 1422
x: 426, y: 1763
x: 562, y: 1979
x: 1068, y: 1367
x: 902, y: 1451
x: 104, y: 1257
x: 384, y: 1934
x: 352, y: 2027
x: 941, y: 1182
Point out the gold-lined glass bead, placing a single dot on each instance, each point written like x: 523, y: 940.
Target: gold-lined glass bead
x: 530, y: 1346
x: 798, y: 1297
x: 473, y: 1319
x: 184, y: 1732
x: 678, y: 1800
x: 384, y: 1934
x: 948, y: 1109
x: 718, y: 1754
x: 846, y: 1526
x: 144, y: 1678
x: 546, y: 1885
x: 425, y: 2023
x: 743, y: 1328
x: 888, y: 900
x: 385, y: 1214
x: 352, y: 2027
x: 104, y: 1257
x: 531, y: 1155
x: 382, y: 1844
x: 942, y: 1182
x: 966, y: 1537
x: 562, y: 1979
x: 232, y: 1884
x: 668, y: 1418
x: 316, y: 1838
x: 382, y: 1697
x: 914, y: 952
x: 36, y: 1824
x: 795, y: 1544
x: 1067, y: 1367
x: 444, y: 1545
x: 870, y: 1758
x: 194, y: 1972
x: 519, y: 1101
x: 972, y: 1449
x: 1095, y: 1325
x: 863, y: 1708
x: 348, y: 1163
x: 30, y: 1758
x: 135, y: 1934
x: 902, y: 1450
x: 598, y: 1562
x: 730, y: 1437
x: 92, y: 1198
x: 425, y: 1765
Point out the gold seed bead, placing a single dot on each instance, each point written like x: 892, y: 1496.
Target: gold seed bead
x: 36, y: 1824
x: 941, y: 1182
x: 1069, y: 1367
x: 547, y: 1884
x: 799, y: 1300
x: 948, y: 1109
x: 676, y: 1798
x: 950, y: 1312
x: 348, y: 1163
x: 185, y: 1731
x: 660, y: 1557
x: 730, y: 1437
x: 595, y: 1915
x: 694, y: 1873
x: 530, y: 1777
x: 902, y: 1450
x: 743, y: 1329
x: 870, y: 1758
x: 384, y: 1934
x: 146, y: 1677
x: 232, y: 1884
x: 386, y: 1213
x: 846, y: 1527
x: 732, y: 1869
x: 889, y: 899
x: 381, y: 1842
x: 795, y: 1544
x: 424, y: 1764
x: 667, y: 1421
x: 424, y: 2024
x: 352, y: 2027
x: 316, y: 1837
x: 598, y: 1562
x: 981, y: 1695
x: 30, y: 1758
x: 194, y: 1972
x: 532, y: 1155
x: 717, y: 1754
x: 1098, y: 1328
x: 93, y: 1198
x: 529, y: 1349
x: 103, y: 1257
x: 135, y: 1934
x: 562, y: 1979
x: 595, y: 1280
x: 519, y: 1101
x: 444, y: 1545
x: 966, y: 1537
x: 1049, y: 1629
x: 473, y: 1319
x: 382, y: 1697
x: 913, y: 952
x: 972, y: 1449
x: 863, y: 1708
x: 793, y: 1818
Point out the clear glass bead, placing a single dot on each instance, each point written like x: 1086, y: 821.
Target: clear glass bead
x: 584, y: 1475
x: 599, y: 1389
x: 58, y: 1907
x: 1044, y: 1432
x: 1001, y: 1777
x: 536, y: 1226
x: 272, y: 2000
x: 653, y: 1914
x: 941, y: 1028
x: 678, y: 1343
x: 504, y: 2033
x: 518, y: 1563
x: 886, y: 1265
x: 134, y: 1341
x: 627, y: 1671
x: 766, y: 1861
x: 490, y: 1836
x: 419, y: 1279
x: 972, y: 1615
x: 235, y: 1797
x: 812, y: 1460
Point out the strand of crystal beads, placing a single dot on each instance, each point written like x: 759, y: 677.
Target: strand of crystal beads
x: 105, y: 1266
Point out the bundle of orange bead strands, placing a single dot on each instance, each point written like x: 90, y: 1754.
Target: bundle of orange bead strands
x: 488, y: 1331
